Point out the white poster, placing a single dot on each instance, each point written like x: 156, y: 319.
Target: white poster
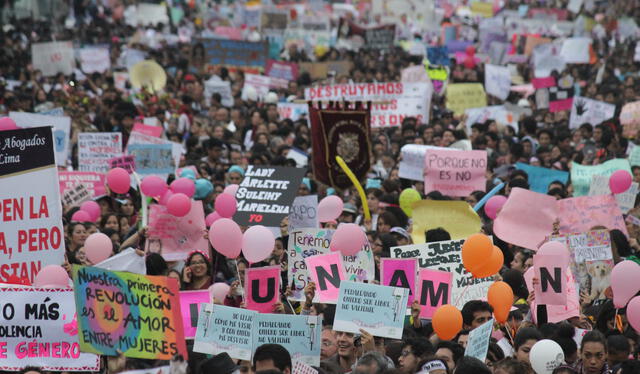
x: 589, y: 111
x: 39, y: 328
x: 95, y: 59
x: 412, y: 163
x: 626, y: 200
x: 304, y: 212
x: 219, y: 86
x: 140, y: 138
x: 95, y: 149
x: 52, y: 58
x: 61, y: 130
x: 576, y: 50
x: 497, y: 81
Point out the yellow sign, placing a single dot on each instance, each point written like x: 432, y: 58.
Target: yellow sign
x: 482, y: 9
x: 457, y: 217
x: 462, y: 96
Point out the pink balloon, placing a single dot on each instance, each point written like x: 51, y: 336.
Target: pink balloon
x: 184, y: 186
x: 81, y: 216
x: 633, y: 313
x: 553, y: 249
x: 118, y: 180
x: 625, y: 282
x: 7, y: 123
x: 219, y: 291
x: 92, y: 208
x: 211, y: 218
x: 226, y: 237
x: 164, y: 199
x: 257, y: 243
x: 348, y: 239
x: 620, y: 181
x: 98, y: 247
x: 493, y: 205
x: 330, y: 208
x: 52, y: 276
x: 179, y: 205
x: 231, y: 189
x: 153, y: 186
x: 225, y: 205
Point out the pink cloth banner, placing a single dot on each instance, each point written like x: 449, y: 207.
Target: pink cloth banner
x: 399, y: 273
x: 557, y: 313
x: 262, y: 287
x: 526, y: 219
x: 581, y: 214
x: 434, y: 290
x: 545, y: 82
x: 326, y: 271
x: 155, y: 131
x: 190, y: 302
x: 94, y: 182
x: 551, y: 270
x: 455, y: 173
x: 560, y: 105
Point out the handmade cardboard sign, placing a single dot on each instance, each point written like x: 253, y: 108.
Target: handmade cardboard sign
x: 263, y: 288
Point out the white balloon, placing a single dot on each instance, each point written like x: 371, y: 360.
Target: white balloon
x: 545, y: 356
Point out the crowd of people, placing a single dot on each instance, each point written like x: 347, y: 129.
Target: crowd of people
x: 221, y: 141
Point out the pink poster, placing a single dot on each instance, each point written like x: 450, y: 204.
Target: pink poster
x: 94, y: 182
x: 262, y: 287
x: 399, y: 273
x: 127, y: 162
x: 155, y: 131
x: 560, y: 105
x: 455, y: 173
x: 326, y: 271
x: 551, y: 271
x: 526, y: 219
x: 545, y: 82
x: 281, y: 69
x: 190, y: 302
x: 434, y: 290
x: 557, y: 313
x: 174, y: 237
x: 581, y: 214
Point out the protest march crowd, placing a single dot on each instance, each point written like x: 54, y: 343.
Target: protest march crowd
x: 368, y: 187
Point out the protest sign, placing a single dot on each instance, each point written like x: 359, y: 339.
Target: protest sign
x: 497, y: 81
x: 379, y: 310
x: 155, y: 131
x: 138, y: 315
x: 52, y: 58
x: 306, y: 242
x: 146, y: 14
x: 309, y: 32
x: 399, y: 273
x: 589, y: 111
x: 558, y: 313
x: 551, y: 271
x: 262, y: 288
x: 413, y: 160
x: 75, y: 196
x: 434, y: 290
x: 190, y: 305
x: 299, y: 335
x: 221, y: 87
x: 95, y: 60
x: 95, y: 149
x: 438, y: 56
x: 225, y: 329
x: 519, y: 224
x: 174, y: 237
x: 32, y: 235
x: 626, y: 200
x: 273, y: 20
x: 61, y: 130
x: 47, y: 314
x: 540, y: 178
x: 93, y: 182
x: 457, y: 217
x: 478, y: 341
x: 236, y: 53
x: 581, y: 174
x: 321, y: 70
x: 455, y: 173
x: 293, y: 111
x: 499, y: 113
x: 415, y: 74
x: 327, y: 272
x: 630, y: 119
x: 281, y: 70
x: 127, y: 260
x: 401, y: 100
x: 576, y: 50
x: 356, y: 37
x: 153, y: 159
x: 445, y: 256
x: 300, y: 367
x: 578, y: 214
x: 461, y: 96
x: 304, y: 213
x: 265, y: 194
x: 139, y: 138
x: 126, y: 162
x: 482, y: 9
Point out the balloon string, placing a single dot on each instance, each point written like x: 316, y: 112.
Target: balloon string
x: 507, y: 329
x: 462, y: 294
x: 240, y: 281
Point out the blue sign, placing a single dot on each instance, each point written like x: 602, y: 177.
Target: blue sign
x: 540, y: 178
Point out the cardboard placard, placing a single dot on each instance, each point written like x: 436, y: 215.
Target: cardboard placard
x: 581, y: 174
x: 399, y: 273
x: 61, y: 130
x: 153, y: 159
x: 455, y: 173
x: 434, y: 290
x: 190, y: 305
x: 52, y: 58
x: 262, y: 287
x: 126, y: 162
x: 236, y: 53
x: 76, y: 195
x: 93, y: 182
x: 304, y: 213
x: 95, y: 149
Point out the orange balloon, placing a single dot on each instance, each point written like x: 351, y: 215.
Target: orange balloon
x: 492, y: 266
x: 500, y: 296
x: 476, y: 251
x: 447, y: 321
